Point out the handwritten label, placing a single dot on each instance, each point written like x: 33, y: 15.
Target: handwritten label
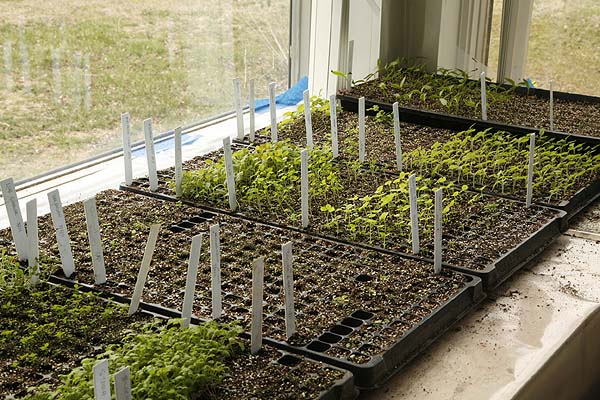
x: 252, y: 110
x: 237, y: 94
x: 288, y: 289
x: 258, y: 274
x: 62, y: 234
x: 125, y: 128
x: 437, y: 232
x: 397, y: 141
x: 101, y: 380
x: 483, y: 97
x: 414, y: 213
x: 123, y: 384
x: 273, y: 110
x: 229, y: 173
x: 308, y: 120
x: 150, y: 155
x: 17, y: 228
x: 334, y: 128
x: 93, y: 229
x: 33, y: 249
x: 304, y: 187
x: 144, y: 269
x: 190, y: 284
x: 215, y: 271
x: 350, y: 62
x: 551, y: 105
x: 361, y: 129
x: 178, y: 162
x: 530, y: 170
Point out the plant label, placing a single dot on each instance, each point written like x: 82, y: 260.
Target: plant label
x: 252, y: 110
x: 304, y: 187
x: 334, y: 128
x: 17, y: 228
x: 215, y: 271
x: 237, y: 95
x: 361, y: 129
x: 288, y: 289
x: 125, y: 128
x: 273, y: 110
x: 101, y: 380
x: 530, y: 170
x: 33, y: 249
x: 551, y: 105
x: 150, y: 155
x: 397, y: 141
x: 350, y: 62
x: 144, y: 269
x: 483, y: 97
x: 123, y: 384
x: 178, y: 162
x: 93, y: 229
x: 258, y: 275
x: 229, y: 173
x: 414, y: 213
x: 190, y: 284
x: 62, y: 234
x: 308, y: 120
x: 437, y: 232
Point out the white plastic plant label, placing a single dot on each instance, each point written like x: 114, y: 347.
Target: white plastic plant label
x: 237, y: 95
x: 334, y: 128
x: 144, y: 269
x: 252, y: 96
x: 62, y: 234
x: 361, y: 129
x: 551, y: 105
x: 17, y: 228
x: 150, y: 155
x: 123, y: 384
x: 288, y: 289
x: 125, y: 128
x: 178, y: 162
x: 530, y: 170
x: 273, y: 111
x: 190, y: 284
x: 229, y: 173
x: 93, y: 229
x: 258, y: 275
x: 304, y: 187
x: 215, y: 271
x: 437, y: 232
x: 101, y: 380
x: 483, y: 97
x: 33, y: 249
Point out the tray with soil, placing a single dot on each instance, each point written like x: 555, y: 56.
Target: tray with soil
x: 47, y: 330
x: 566, y: 173
x: 207, y: 361
x: 367, y: 207
x: 451, y: 96
x: 355, y: 308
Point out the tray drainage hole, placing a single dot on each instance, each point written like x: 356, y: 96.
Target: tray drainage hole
x: 176, y: 229
x: 207, y: 215
x: 330, y: 338
x: 364, y: 315
x: 317, y: 346
x: 289, y: 360
x: 186, y: 224
x: 363, y: 278
x: 197, y: 219
x: 352, y: 322
x: 341, y: 330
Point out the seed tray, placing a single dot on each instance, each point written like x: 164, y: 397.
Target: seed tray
x: 333, y: 281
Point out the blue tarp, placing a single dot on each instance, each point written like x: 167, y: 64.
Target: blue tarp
x: 290, y: 97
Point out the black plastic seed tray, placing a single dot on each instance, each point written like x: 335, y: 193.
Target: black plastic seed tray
x: 493, y: 273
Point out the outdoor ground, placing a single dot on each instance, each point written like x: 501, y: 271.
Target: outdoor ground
x: 172, y: 61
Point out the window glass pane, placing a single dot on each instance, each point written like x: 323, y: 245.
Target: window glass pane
x: 70, y: 68
x: 564, y: 45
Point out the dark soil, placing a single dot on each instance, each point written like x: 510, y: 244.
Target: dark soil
x: 46, y: 332
x: 570, y: 117
x: 332, y: 281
